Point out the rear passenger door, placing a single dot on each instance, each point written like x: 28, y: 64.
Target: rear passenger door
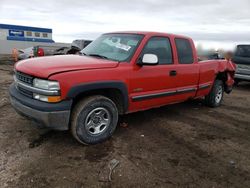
x: 187, y: 70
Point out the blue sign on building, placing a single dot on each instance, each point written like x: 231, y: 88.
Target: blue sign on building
x: 16, y: 33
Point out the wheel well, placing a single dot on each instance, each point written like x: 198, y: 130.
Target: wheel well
x: 223, y: 77
x: 113, y: 94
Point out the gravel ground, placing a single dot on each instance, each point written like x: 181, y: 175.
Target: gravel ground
x: 183, y: 145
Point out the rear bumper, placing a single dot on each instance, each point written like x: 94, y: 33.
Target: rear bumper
x: 54, y: 116
x: 242, y: 77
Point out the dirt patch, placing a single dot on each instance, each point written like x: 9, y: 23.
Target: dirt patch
x: 183, y: 145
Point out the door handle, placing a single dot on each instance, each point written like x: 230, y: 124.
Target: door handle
x: 173, y: 73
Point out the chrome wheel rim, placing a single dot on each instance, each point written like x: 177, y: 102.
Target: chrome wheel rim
x: 219, y: 94
x: 97, y: 121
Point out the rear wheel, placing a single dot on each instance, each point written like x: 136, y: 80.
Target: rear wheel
x: 94, y: 119
x: 215, y: 97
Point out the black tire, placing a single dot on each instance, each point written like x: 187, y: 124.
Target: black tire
x: 89, y: 114
x: 213, y: 99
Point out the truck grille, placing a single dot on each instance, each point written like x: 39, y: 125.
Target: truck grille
x: 24, y: 78
x: 25, y: 92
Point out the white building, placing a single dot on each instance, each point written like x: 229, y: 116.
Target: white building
x: 20, y: 37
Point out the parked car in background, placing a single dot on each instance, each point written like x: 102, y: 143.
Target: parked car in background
x: 81, y: 43
x: 25, y: 53
x: 210, y: 55
x: 37, y: 51
x: 50, y: 50
x: 242, y: 60
x: 75, y: 48
x: 214, y: 56
x: 118, y: 73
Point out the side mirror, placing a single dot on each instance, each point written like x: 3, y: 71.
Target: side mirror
x: 149, y: 59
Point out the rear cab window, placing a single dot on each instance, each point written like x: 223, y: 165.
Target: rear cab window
x: 184, y: 51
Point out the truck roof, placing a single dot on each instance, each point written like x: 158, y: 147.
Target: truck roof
x: 150, y: 33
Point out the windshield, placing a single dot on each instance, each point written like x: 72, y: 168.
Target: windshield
x: 117, y: 47
x: 243, y: 51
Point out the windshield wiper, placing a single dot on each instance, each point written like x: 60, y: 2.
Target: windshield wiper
x: 98, y: 55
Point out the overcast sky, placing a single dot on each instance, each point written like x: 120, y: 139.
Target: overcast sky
x: 213, y: 23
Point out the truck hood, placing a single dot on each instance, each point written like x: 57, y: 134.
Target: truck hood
x: 43, y: 67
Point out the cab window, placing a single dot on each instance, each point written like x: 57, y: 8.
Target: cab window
x: 184, y: 51
x: 161, y: 47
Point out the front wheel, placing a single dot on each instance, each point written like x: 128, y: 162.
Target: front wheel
x: 215, y: 97
x: 94, y: 119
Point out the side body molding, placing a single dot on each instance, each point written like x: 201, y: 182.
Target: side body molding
x: 81, y: 88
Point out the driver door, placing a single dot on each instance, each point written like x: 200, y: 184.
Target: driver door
x: 152, y: 86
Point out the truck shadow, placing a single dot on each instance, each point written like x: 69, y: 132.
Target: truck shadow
x: 51, y: 136
x: 134, y: 119
x: 171, y: 111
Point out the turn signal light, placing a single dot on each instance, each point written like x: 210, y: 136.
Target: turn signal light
x: 54, y: 99
x: 50, y: 99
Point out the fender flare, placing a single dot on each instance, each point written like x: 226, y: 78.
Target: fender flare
x: 82, y: 88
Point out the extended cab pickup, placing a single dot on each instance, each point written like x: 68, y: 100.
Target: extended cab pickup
x: 116, y: 74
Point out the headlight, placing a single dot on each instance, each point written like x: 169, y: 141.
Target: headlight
x: 45, y: 84
x: 47, y: 87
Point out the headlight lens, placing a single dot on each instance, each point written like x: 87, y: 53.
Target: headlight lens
x: 45, y: 84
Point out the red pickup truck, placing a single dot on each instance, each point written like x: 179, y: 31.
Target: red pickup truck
x: 116, y: 74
